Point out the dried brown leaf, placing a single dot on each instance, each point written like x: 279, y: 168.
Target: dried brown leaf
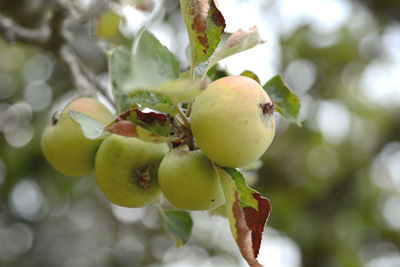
x: 123, y: 127
x: 244, y: 234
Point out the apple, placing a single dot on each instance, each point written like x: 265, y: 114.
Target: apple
x: 232, y: 121
x: 126, y: 170
x: 63, y: 143
x: 189, y: 181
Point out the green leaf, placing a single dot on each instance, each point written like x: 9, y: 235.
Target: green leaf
x: 185, y: 74
x: 215, y: 73
x: 164, y: 96
x: 250, y: 74
x: 152, y: 63
x: 119, y: 66
x: 125, y: 126
x: 230, y: 193
x: 245, y: 193
x: 183, y: 90
x: 91, y: 128
x: 215, y: 27
x: 156, y: 123
x: 156, y: 101
x: 247, y: 212
x: 179, y: 224
x: 205, y: 25
x: 231, y: 44
x: 286, y: 101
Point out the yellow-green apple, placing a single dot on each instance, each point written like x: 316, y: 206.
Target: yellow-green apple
x: 126, y: 170
x: 233, y: 121
x: 63, y: 143
x: 189, y: 181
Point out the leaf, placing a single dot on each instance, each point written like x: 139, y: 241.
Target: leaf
x: 91, y: 128
x: 119, y: 66
x: 151, y: 63
x: 179, y: 224
x: 152, y: 100
x: 234, y: 43
x: 250, y: 74
x: 183, y: 90
x: 286, y: 101
x: 156, y: 123
x: 148, y: 136
x: 163, y: 97
x: 205, y: 25
x: 247, y: 212
x: 185, y: 74
x: 127, y: 128
x: 215, y: 73
x: 124, y: 128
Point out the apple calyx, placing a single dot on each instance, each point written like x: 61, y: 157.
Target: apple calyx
x: 268, y: 108
x: 143, y: 178
x: 55, y: 117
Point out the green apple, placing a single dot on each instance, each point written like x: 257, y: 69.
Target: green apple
x: 63, y: 143
x: 126, y: 170
x: 189, y: 181
x: 233, y: 121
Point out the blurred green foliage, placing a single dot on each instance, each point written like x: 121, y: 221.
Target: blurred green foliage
x: 334, y: 183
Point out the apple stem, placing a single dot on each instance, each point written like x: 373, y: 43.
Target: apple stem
x: 185, y: 128
x: 190, y: 142
x: 182, y: 116
x: 189, y: 109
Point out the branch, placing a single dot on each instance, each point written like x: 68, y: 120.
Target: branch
x: 68, y: 57
x: 93, y: 80
x: 55, y: 36
x: 13, y: 32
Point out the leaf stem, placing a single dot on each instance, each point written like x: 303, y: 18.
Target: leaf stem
x: 189, y: 109
x: 187, y: 129
x: 191, y: 72
x: 161, y: 210
x: 182, y: 115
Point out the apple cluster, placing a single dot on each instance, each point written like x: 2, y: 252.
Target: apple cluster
x: 232, y: 125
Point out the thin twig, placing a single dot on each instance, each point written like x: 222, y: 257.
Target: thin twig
x: 68, y: 57
x: 12, y: 32
x: 55, y: 36
x: 99, y: 86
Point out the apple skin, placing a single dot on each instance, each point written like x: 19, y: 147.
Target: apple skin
x: 229, y: 124
x: 120, y: 161
x: 63, y: 143
x: 189, y: 181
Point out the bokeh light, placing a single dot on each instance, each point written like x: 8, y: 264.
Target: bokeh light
x: 15, y: 240
x: 27, y: 201
x: 39, y: 95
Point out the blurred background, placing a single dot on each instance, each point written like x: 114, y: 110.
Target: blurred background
x: 334, y: 183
